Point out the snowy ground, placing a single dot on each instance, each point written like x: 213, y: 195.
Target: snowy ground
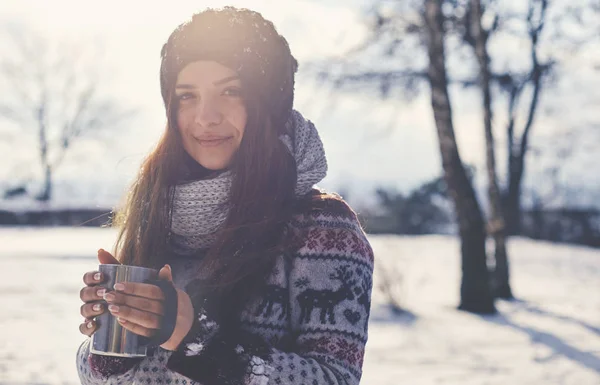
x: 551, y: 335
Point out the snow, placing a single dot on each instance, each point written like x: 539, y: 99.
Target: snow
x: 551, y: 335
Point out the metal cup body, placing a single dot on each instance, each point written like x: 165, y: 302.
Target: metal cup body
x: 112, y: 339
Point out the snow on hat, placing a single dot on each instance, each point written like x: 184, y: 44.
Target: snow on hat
x: 242, y: 40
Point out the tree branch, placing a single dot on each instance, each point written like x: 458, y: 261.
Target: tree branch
x: 537, y: 73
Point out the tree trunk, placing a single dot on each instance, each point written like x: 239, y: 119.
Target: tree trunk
x: 475, y: 289
x: 496, y: 225
x: 46, y: 193
x: 512, y: 200
x: 517, y: 154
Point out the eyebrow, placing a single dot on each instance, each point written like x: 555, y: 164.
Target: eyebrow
x: 226, y: 80
x: 217, y: 83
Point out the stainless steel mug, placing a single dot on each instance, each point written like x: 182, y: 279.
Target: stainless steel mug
x: 112, y: 339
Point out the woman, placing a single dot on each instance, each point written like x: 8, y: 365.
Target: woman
x: 273, y: 277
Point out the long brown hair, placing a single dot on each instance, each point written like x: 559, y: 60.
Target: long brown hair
x: 262, y: 201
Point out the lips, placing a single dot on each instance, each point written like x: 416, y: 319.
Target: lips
x: 210, y: 141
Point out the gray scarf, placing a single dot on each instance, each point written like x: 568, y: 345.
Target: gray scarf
x: 201, y: 207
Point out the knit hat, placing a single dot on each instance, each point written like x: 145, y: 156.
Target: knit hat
x: 243, y: 41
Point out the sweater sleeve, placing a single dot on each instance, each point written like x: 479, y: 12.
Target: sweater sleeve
x: 330, y: 283
x: 95, y: 369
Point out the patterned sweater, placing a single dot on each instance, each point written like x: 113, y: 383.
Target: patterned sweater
x: 308, y: 327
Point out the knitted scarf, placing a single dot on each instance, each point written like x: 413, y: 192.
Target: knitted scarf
x: 201, y: 207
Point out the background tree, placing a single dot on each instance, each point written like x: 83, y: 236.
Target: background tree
x: 475, y: 288
x: 555, y: 32
x: 515, y: 85
x: 523, y: 89
x: 478, y: 37
x: 397, y: 40
x: 53, y: 94
x: 410, y: 39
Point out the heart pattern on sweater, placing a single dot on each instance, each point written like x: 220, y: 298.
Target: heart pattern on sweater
x: 352, y: 316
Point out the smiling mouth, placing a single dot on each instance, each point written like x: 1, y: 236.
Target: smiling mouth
x: 212, y: 142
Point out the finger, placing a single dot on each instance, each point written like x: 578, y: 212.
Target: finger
x: 93, y: 278
x: 106, y: 258
x: 141, y: 290
x: 165, y: 273
x: 137, y: 329
x: 142, y: 318
x: 92, y: 293
x: 140, y: 303
x: 85, y: 329
x: 91, y: 310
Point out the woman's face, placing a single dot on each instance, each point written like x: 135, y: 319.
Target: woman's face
x: 211, y: 114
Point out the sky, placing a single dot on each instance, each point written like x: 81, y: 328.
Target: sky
x: 362, y: 151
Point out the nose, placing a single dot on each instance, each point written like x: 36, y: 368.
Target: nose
x: 207, y: 113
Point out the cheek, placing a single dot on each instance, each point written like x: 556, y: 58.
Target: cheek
x: 239, y: 119
x: 184, y: 117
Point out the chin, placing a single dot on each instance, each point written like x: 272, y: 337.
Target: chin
x: 213, y: 164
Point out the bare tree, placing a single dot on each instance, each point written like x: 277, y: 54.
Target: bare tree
x: 400, y: 40
x: 475, y: 290
x: 552, y: 39
x: 397, y: 38
x: 53, y: 94
x: 518, y: 147
x: 496, y: 225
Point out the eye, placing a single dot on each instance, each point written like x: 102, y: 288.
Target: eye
x: 232, y: 91
x: 185, y: 96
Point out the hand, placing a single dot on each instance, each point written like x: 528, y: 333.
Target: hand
x: 139, y: 308
x: 91, y: 296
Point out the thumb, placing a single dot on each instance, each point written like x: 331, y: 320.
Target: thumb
x: 106, y: 258
x: 165, y: 273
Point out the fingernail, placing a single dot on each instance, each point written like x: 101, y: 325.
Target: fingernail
x: 97, y: 307
x: 97, y: 276
x: 113, y: 308
x: 101, y: 292
x: 121, y: 320
x: 89, y: 325
x: 119, y: 286
x: 109, y: 297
